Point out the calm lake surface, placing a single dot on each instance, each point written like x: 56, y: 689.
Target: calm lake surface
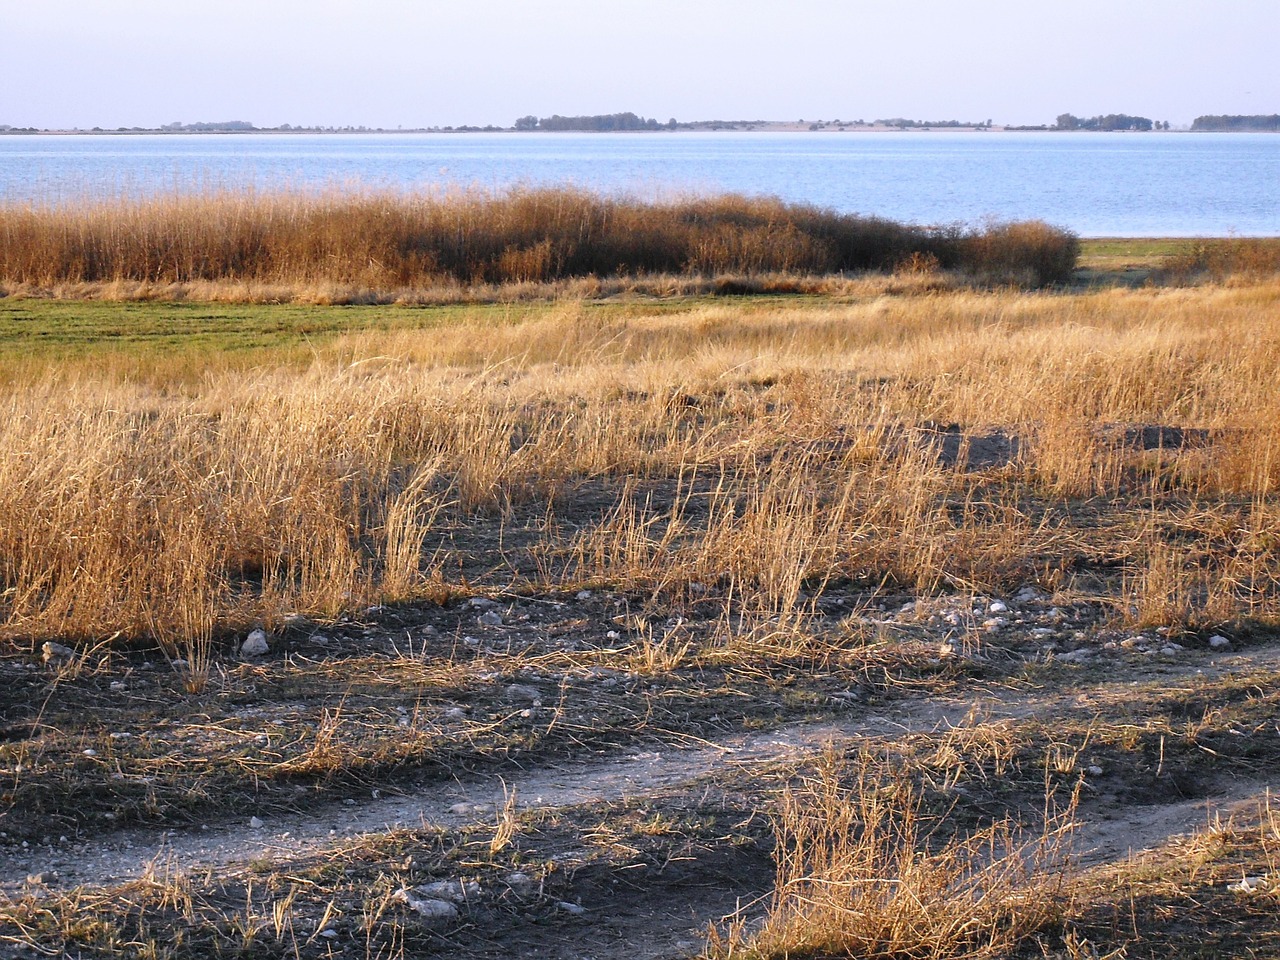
x: 1096, y: 184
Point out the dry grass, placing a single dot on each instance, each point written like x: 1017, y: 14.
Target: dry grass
x: 862, y: 872
x: 748, y: 452
x: 375, y: 242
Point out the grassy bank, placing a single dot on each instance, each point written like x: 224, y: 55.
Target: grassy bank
x: 754, y: 444
x: 399, y: 242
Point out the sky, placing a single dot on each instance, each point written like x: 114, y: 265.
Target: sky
x: 422, y: 63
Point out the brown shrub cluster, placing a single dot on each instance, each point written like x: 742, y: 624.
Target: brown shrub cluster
x: 398, y: 240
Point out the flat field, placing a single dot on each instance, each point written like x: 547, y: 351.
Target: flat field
x: 901, y: 620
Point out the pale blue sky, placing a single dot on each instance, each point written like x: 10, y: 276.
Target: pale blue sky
x: 442, y: 62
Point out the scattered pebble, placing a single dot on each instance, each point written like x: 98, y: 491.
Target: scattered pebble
x: 118, y: 686
x: 429, y: 908
x: 521, y: 691
x: 573, y: 909
x: 490, y: 618
x: 482, y: 603
x: 1218, y: 642
x: 997, y: 606
x: 255, y: 644
x: 584, y: 595
x: 255, y: 823
x: 56, y: 653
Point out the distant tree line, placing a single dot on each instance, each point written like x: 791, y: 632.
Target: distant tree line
x: 605, y: 122
x: 1237, y: 124
x: 220, y: 126
x: 1112, y: 121
x: 904, y: 124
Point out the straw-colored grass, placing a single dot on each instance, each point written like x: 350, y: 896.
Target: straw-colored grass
x: 375, y: 242
x: 750, y: 451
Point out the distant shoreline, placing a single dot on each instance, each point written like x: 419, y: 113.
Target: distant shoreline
x: 764, y: 126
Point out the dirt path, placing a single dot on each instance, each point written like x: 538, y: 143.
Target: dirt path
x: 126, y: 854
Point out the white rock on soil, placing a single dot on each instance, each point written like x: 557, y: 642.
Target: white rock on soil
x: 997, y: 606
x: 491, y: 618
x: 482, y: 603
x: 520, y: 691
x: 584, y: 594
x: 454, y: 891
x: 429, y: 908
x: 255, y: 644
x: 255, y: 823
x: 573, y: 909
x: 1219, y: 643
x: 1076, y: 656
x: 52, y: 652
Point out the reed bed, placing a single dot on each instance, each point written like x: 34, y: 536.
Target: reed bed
x: 748, y: 452
x: 376, y: 242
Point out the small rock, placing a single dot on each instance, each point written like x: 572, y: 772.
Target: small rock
x: 455, y: 891
x: 117, y: 686
x: 573, y: 909
x: 455, y: 713
x: 1218, y: 642
x: 584, y: 595
x: 521, y: 691
x: 613, y: 635
x: 482, y: 603
x: 255, y: 644
x: 429, y: 908
x: 994, y: 625
x: 1076, y: 656
x: 997, y: 606
x: 1171, y: 649
x: 1094, y: 771
x: 56, y: 653
x: 255, y: 823
x: 122, y: 736
x: 519, y: 881
x: 1248, y: 885
x: 1130, y: 642
x: 491, y: 618
x: 460, y: 809
x: 328, y: 933
x: 90, y: 752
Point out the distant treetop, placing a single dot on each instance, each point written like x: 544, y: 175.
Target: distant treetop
x: 599, y: 123
x: 1237, y: 124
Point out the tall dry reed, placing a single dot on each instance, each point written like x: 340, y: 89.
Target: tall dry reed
x: 395, y: 241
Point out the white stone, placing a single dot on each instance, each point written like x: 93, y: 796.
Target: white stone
x: 584, y: 595
x: 52, y: 652
x: 1076, y: 656
x: 117, y: 686
x: 521, y: 691
x: 255, y: 823
x: 482, y: 603
x: 255, y: 644
x: 573, y: 909
x: 429, y: 908
x: 1094, y: 771
x: 1218, y: 642
x: 491, y: 618
x: 997, y: 606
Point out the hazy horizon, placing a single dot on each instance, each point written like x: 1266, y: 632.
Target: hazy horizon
x: 389, y: 63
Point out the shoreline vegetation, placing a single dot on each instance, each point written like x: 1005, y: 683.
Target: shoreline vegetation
x: 630, y: 123
x: 382, y: 241
x: 907, y: 613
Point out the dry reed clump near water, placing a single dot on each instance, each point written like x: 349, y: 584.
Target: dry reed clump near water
x: 404, y: 241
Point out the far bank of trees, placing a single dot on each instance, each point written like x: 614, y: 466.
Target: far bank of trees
x: 1111, y: 121
x: 601, y: 123
x: 1237, y: 124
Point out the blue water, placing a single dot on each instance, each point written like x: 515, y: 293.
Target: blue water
x: 1095, y: 184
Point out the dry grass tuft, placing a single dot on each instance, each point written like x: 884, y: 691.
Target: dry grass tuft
x: 863, y: 872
